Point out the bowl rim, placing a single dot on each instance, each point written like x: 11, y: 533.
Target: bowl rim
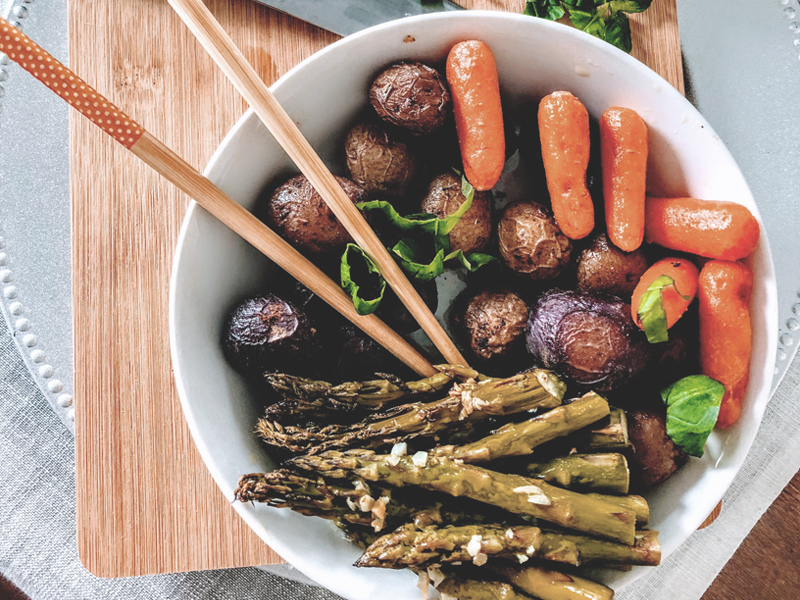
x: 213, y: 170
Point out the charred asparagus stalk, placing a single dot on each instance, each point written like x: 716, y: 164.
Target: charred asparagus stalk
x: 546, y: 584
x: 454, y: 588
x: 467, y: 402
x: 354, y: 505
x: 514, y: 493
x: 636, y: 504
x: 518, y: 439
x: 410, y: 546
x: 609, y: 435
x: 321, y: 397
x: 601, y: 473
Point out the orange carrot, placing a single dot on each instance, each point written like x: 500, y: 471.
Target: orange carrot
x: 725, y: 332
x: 564, y: 133
x: 675, y: 298
x: 472, y: 75
x: 710, y: 228
x: 623, y: 152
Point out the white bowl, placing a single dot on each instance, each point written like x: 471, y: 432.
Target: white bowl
x: 214, y: 268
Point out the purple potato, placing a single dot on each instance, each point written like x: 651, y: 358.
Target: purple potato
x: 654, y: 457
x: 587, y: 338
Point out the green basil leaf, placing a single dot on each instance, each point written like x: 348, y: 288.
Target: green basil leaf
x: 651, y: 311
x: 472, y: 262
x: 418, y: 223
x: 363, y: 306
x: 692, y: 410
x: 544, y: 9
x: 411, y: 256
x: 618, y: 31
x: 630, y: 6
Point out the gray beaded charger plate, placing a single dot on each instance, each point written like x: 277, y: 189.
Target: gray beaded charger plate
x: 742, y: 67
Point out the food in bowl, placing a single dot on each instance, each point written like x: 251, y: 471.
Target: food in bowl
x: 324, y: 565
x: 593, y: 337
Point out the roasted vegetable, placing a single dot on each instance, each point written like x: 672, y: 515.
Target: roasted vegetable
x: 655, y: 458
x: 411, y: 95
x: 492, y: 325
x: 378, y: 162
x: 300, y: 215
x: 591, y: 339
x: 268, y: 333
x: 604, y: 268
x: 474, y: 229
x: 602, y: 473
x: 519, y: 495
x: 530, y: 241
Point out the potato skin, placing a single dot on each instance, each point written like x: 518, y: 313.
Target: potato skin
x: 530, y: 241
x: 411, y: 95
x: 267, y: 334
x: 492, y: 323
x: 654, y: 457
x: 377, y: 162
x: 299, y: 214
x: 587, y: 338
x: 604, y: 268
x: 474, y: 231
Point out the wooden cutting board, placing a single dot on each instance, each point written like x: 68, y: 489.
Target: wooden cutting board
x: 145, y: 502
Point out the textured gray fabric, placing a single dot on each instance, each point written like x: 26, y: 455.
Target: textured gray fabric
x: 38, y: 548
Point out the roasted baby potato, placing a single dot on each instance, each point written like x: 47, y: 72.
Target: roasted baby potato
x: 654, y: 457
x: 492, y: 324
x: 588, y: 338
x: 379, y: 163
x: 266, y: 334
x: 300, y: 215
x: 411, y: 95
x: 530, y: 241
x: 604, y: 268
x: 474, y: 231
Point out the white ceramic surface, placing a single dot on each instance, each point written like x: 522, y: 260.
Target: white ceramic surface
x: 214, y: 268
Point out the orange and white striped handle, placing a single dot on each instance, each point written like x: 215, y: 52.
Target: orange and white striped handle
x: 83, y: 97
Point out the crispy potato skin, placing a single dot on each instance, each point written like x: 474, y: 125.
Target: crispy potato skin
x: 411, y: 95
x: 588, y: 338
x: 654, y: 458
x: 530, y: 241
x: 474, y: 231
x: 492, y: 323
x: 379, y: 163
x: 299, y: 214
x: 604, y: 268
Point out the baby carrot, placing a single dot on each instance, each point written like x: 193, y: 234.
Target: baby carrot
x: 564, y: 134
x: 474, y: 85
x: 676, y: 296
x: 710, y: 228
x: 623, y: 153
x: 725, y: 332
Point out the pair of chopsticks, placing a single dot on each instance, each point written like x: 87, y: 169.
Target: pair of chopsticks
x: 163, y: 160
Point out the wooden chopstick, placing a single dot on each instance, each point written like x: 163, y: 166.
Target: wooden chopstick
x: 227, y: 55
x: 31, y: 57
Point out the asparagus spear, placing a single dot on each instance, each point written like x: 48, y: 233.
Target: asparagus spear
x: 546, y: 584
x: 517, y: 439
x: 453, y: 588
x: 352, y: 505
x: 609, y: 435
x: 514, y: 493
x: 467, y: 402
x: 410, y: 546
x: 606, y: 473
x: 636, y: 504
x: 320, y: 398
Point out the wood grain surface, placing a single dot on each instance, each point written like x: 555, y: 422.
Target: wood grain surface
x: 145, y: 502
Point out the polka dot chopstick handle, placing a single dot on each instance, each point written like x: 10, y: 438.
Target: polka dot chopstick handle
x: 83, y: 97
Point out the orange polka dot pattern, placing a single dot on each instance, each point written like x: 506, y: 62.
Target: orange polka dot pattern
x: 34, y: 59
